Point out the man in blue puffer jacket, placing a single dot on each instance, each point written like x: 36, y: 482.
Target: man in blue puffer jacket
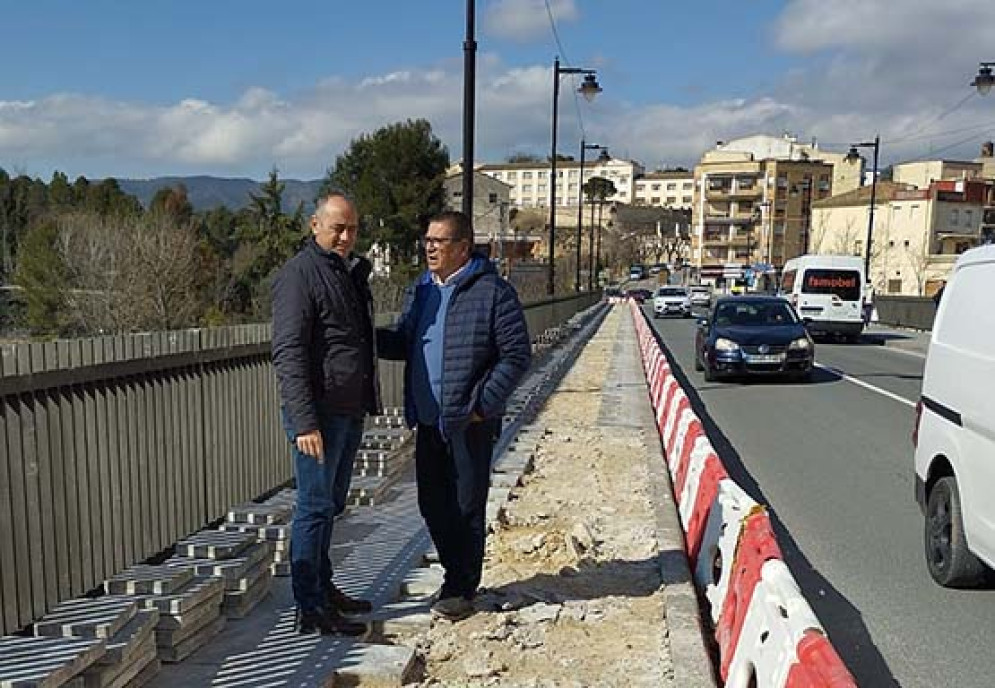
x: 463, y: 334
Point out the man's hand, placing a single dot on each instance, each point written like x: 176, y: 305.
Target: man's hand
x: 310, y: 443
x: 476, y: 418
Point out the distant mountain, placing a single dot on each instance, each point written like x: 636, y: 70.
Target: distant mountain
x: 206, y: 193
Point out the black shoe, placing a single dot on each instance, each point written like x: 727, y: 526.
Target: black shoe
x: 341, y: 602
x: 330, y: 623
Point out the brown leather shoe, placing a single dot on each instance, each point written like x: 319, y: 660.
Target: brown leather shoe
x: 341, y: 602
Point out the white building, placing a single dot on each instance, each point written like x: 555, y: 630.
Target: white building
x: 530, y: 183
x: 670, y: 189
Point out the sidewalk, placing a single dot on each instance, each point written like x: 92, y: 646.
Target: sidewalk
x: 586, y: 565
x: 911, y: 341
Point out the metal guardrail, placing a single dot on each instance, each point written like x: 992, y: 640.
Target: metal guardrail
x: 112, y: 448
x: 916, y: 312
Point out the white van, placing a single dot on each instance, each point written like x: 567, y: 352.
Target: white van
x: 827, y: 292
x: 954, y: 434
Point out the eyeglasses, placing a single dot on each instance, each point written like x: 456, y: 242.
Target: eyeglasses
x: 438, y: 241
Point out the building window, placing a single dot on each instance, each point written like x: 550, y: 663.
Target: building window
x: 541, y: 188
x: 623, y: 192
x: 891, y: 244
x: 687, y: 186
x: 573, y: 174
x: 656, y: 187
x: 894, y: 286
x: 542, y: 175
x: 640, y: 188
x: 512, y: 175
x: 572, y: 187
x: 527, y: 188
x: 906, y: 243
x: 954, y: 216
x: 492, y: 198
x: 686, y: 200
x: 968, y: 217
x: 671, y: 200
x: 497, y: 175
x: 526, y: 175
x: 655, y: 200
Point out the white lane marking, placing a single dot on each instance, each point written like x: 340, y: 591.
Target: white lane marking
x: 865, y: 385
x: 897, y: 350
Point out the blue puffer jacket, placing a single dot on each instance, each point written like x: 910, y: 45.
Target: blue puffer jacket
x: 487, y: 347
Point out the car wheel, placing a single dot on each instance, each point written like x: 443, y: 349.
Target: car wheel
x: 804, y: 376
x: 950, y: 562
x: 697, y: 363
x: 709, y: 375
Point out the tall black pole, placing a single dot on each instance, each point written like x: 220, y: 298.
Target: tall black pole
x: 580, y: 213
x: 469, y: 87
x: 597, y: 259
x: 870, y: 215
x: 590, y: 252
x: 551, y: 286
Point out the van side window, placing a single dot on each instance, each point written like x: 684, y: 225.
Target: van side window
x: 967, y: 312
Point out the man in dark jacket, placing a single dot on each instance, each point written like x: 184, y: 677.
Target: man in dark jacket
x: 463, y: 334
x: 325, y: 360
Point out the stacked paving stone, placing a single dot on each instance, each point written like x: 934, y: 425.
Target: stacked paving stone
x: 269, y: 522
x: 381, y: 459
x: 124, y: 631
x: 239, y: 560
x: 35, y: 662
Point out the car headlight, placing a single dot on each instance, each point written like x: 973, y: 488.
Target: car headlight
x: 802, y: 343
x: 723, y: 344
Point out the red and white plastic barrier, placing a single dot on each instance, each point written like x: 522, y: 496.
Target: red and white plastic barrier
x: 767, y: 633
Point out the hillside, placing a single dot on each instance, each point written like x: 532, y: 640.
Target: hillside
x: 206, y: 192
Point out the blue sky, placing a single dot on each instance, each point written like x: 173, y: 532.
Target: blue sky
x: 229, y: 88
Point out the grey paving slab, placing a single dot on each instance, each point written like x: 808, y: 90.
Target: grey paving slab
x: 202, y: 589
x: 422, y: 582
x: 260, y: 514
x: 32, y: 662
x: 123, y: 644
x: 84, y: 617
x: 154, y: 580
x: 376, y: 666
x: 214, y: 544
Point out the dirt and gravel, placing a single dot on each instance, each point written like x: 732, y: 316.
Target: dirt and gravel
x: 573, y: 593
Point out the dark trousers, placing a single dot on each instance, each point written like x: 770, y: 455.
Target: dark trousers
x: 322, y: 490
x: 453, y: 478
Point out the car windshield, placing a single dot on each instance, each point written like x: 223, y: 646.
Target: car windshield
x: 754, y: 314
x: 700, y: 290
x: 670, y: 291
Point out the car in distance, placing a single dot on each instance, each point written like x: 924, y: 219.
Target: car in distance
x: 954, y: 436
x: 753, y: 335
x: 672, y: 301
x: 701, y: 295
x: 639, y: 295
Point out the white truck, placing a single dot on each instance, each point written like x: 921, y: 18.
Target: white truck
x: 827, y: 292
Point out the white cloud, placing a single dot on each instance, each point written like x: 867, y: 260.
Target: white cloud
x: 526, y: 20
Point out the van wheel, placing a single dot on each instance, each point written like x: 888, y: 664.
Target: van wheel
x: 950, y: 562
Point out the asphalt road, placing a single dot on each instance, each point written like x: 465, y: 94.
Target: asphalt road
x: 833, y: 461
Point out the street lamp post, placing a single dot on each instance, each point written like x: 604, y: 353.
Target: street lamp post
x: 469, y: 85
x: 597, y: 255
x: 985, y: 79
x: 584, y: 147
x: 589, y: 89
x: 851, y: 157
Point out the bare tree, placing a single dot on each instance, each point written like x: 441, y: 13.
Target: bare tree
x: 918, y: 258
x: 130, y: 273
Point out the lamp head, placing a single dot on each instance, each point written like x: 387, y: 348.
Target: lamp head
x: 984, y: 80
x: 853, y: 155
x: 590, y: 87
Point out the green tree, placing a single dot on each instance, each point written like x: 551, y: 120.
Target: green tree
x: 524, y: 157
x: 42, y: 274
x: 599, y: 189
x: 395, y: 176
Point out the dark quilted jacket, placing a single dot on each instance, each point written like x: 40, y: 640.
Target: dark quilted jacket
x: 486, y: 345
x: 323, y: 337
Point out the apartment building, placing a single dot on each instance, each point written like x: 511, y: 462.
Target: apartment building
x: 673, y: 189
x: 751, y: 211
x: 922, y: 173
x: 918, y: 232
x: 530, y: 183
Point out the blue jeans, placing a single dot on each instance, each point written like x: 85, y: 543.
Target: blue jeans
x: 322, y: 490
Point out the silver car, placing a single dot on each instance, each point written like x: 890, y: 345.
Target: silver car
x: 701, y: 296
x: 671, y: 301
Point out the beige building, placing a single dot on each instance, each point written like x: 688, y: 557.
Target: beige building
x: 669, y: 189
x: 922, y: 173
x: 530, y: 184
x: 917, y: 234
x: 750, y: 211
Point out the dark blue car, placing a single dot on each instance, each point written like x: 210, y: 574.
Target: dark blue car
x: 746, y: 335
